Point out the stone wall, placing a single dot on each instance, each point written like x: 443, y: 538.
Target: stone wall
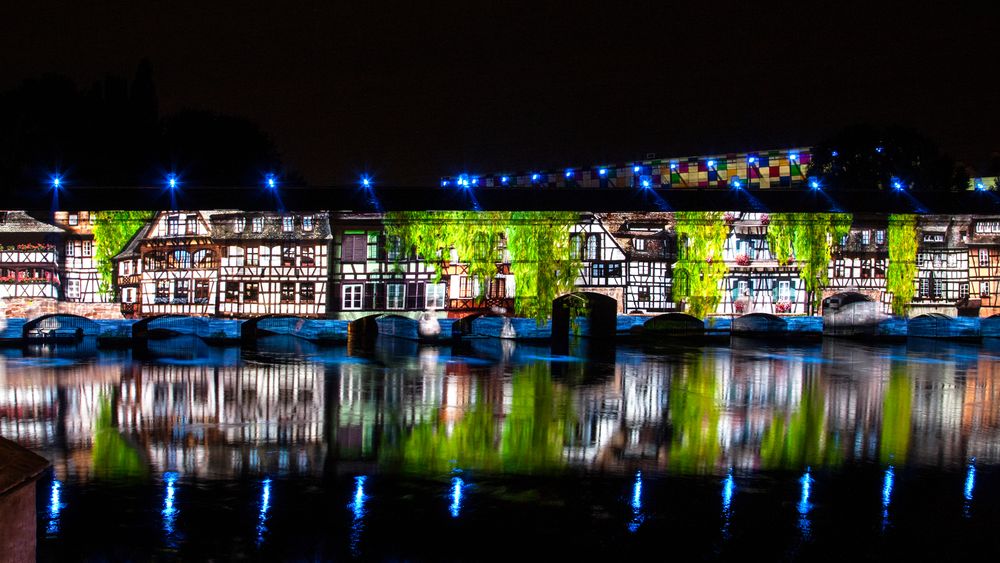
x: 25, y: 307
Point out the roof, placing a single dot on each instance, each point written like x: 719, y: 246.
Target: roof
x: 18, y: 466
x: 21, y: 222
x: 224, y: 226
x: 131, y: 249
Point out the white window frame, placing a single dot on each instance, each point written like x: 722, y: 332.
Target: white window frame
x: 257, y: 225
x: 352, y: 296
x: 70, y: 249
x: 88, y: 248
x: 72, y: 288
x: 307, y: 222
x: 784, y: 290
x: 639, y: 243
x: 984, y: 257
x: 397, y: 301
x: 288, y: 224
x: 239, y: 224
x: 434, y: 295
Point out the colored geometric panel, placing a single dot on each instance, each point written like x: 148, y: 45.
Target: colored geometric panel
x: 763, y: 161
x: 713, y: 175
x: 675, y: 178
x: 703, y: 184
x: 703, y: 166
x: 794, y: 170
x: 721, y: 164
x: 753, y: 173
x: 774, y: 171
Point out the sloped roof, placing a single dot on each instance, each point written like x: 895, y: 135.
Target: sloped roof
x: 20, y: 222
x: 131, y: 249
x: 224, y: 226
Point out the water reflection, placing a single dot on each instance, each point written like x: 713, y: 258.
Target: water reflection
x: 265, y: 505
x: 170, y: 511
x: 887, y: 484
x: 55, y: 506
x: 728, y: 488
x: 970, y: 485
x: 636, y: 503
x: 357, y: 507
x: 455, y: 508
x: 804, y: 506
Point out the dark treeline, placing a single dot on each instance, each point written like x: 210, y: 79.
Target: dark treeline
x: 112, y: 134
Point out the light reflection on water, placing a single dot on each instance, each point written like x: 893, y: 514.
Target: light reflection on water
x: 504, y: 409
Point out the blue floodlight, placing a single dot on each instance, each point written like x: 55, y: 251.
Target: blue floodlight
x: 752, y: 160
x: 834, y: 153
x: 534, y: 177
x: 172, y: 181
x: 711, y: 163
x: 793, y: 156
x: 56, y: 181
x: 444, y: 183
x: 673, y: 166
x: 602, y: 172
x: 569, y: 173
x: 980, y: 185
x: 897, y: 184
x: 879, y: 149
x: 366, y: 181
x: 637, y: 169
x: 736, y: 183
x: 504, y: 180
x: 645, y: 183
x: 814, y: 183
x: 475, y: 181
x: 271, y: 181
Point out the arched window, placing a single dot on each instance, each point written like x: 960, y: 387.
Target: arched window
x: 179, y: 259
x: 154, y: 261
x: 204, y: 259
x: 593, y: 250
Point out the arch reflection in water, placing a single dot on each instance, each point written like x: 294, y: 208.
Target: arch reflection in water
x: 887, y: 484
x: 805, y: 526
x: 265, y: 505
x: 55, y: 506
x: 357, y: 507
x: 970, y: 485
x: 170, y: 511
x: 456, y: 496
x: 637, y: 515
x: 728, y: 488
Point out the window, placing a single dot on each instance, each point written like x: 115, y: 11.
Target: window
x: 239, y: 224
x: 235, y: 255
x: 173, y: 225
x: 880, y: 236
x: 72, y: 289
x: 288, y: 223
x: 395, y: 296
x: 251, y: 291
x: 372, y: 246
x: 257, y: 225
x: 963, y: 290
x: 307, y: 222
x: 497, y: 288
x: 643, y: 293
x: 128, y: 295
x: 88, y: 248
x: 74, y: 219
x: 640, y: 268
x: 606, y: 269
x: 232, y: 292
x: 179, y: 259
x: 288, y: 256
x: 70, y: 249
x: 843, y: 240
x: 393, y: 248
x: 201, y: 291
x: 984, y: 289
x: 307, y: 293
x: 784, y: 290
x: 181, y: 291
x: 866, y: 237
x: 937, y: 287
x: 354, y: 248
x: 434, y: 295
x: 154, y: 261
x: 352, y: 296
x: 162, y: 292
x: 984, y: 257
x: 287, y: 292
x: 468, y: 287
x: 925, y: 288
x: 880, y: 268
x: 308, y: 257
x: 593, y: 248
x: 204, y: 259
x: 639, y: 243
x: 253, y: 256
x: 952, y: 260
x: 191, y: 225
x: 597, y: 270
x: 575, y: 246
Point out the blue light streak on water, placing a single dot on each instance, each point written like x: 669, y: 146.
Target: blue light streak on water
x: 728, y: 488
x: 456, y: 496
x: 637, y: 515
x: 169, y: 511
x: 970, y: 485
x: 805, y: 526
x: 55, y: 506
x: 265, y: 505
x: 887, y: 484
x: 357, y: 506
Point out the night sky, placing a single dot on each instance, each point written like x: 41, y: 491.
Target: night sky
x: 411, y: 91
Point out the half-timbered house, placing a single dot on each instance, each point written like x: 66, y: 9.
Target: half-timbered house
x: 29, y: 256
x: 650, y: 246
x: 755, y: 282
x: 128, y: 273
x: 942, y: 266
x: 984, y: 263
x: 603, y: 259
x: 860, y: 259
x: 180, y: 264
x: 272, y: 263
x: 81, y: 282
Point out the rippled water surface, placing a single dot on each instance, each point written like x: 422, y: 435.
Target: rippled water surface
x: 496, y: 450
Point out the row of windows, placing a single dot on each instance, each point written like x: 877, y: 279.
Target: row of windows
x: 179, y: 292
x: 287, y: 224
x: 84, y: 248
x: 256, y: 256
x: 353, y: 296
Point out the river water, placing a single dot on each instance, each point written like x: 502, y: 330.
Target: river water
x: 497, y: 450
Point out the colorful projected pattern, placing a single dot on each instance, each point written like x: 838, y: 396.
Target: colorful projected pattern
x: 783, y: 168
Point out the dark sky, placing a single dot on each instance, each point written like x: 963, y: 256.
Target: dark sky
x: 414, y: 90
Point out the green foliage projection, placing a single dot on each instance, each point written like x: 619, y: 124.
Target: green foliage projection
x: 800, y: 439
x: 806, y: 239
x: 112, y: 454
x: 897, y: 410
x: 538, y: 243
x: 528, y: 440
x: 694, y: 416
x: 112, y: 231
x: 902, y: 271
x: 701, y: 237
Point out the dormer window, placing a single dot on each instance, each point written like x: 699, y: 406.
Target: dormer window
x: 639, y: 243
x: 239, y: 224
x: 307, y: 222
x: 258, y: 224
x: 74, y: 219
x: 287, y: 223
